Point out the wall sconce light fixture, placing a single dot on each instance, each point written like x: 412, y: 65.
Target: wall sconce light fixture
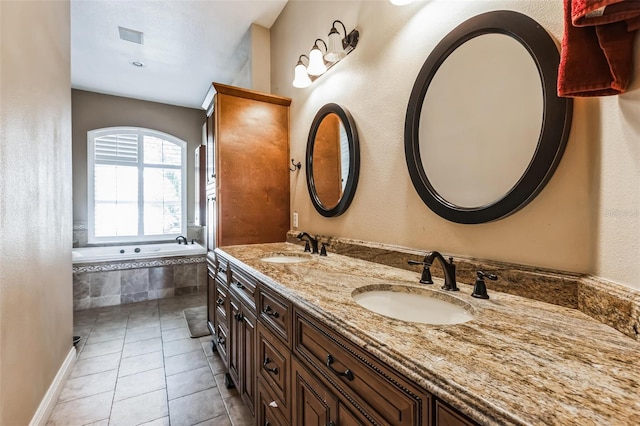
x: 301, y: 78
x: 317, y: 63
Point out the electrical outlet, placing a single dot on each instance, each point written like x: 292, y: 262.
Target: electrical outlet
x: 295, y: 220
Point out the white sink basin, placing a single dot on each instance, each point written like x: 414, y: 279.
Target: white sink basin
x: 413, y: 304
x: 286, y: 258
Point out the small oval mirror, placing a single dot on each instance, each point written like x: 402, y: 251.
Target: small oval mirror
x: 333, y: 160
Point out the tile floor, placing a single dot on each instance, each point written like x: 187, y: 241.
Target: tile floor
x: 137, y: 365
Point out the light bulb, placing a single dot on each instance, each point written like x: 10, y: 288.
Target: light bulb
x: 316, y: 63
x: 336, y: 51
x: 301, y: 78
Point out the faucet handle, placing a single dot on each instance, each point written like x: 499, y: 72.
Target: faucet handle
x: 307, y: 247
x: 425, y: 278
x: 492, y: 277
x: 480, y: 288
x: 323, y: 250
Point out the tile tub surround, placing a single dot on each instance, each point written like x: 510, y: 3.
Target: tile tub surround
x: 115, y: 283
x: 520, y: 361
x: 607, y: 302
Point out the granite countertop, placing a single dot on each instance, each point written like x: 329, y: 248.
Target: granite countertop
x: 519, y: 361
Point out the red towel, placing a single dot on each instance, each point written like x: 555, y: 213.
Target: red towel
x: 597, y: 47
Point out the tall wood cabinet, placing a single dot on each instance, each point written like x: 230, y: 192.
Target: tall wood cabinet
x: 247, y: 197
x: 247, y: 167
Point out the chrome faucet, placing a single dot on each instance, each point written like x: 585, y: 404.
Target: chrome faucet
x: 180, y: 239
x: 448, y: 267
x: 310, y: 240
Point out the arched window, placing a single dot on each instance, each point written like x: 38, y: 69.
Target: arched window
x: 136, y: 185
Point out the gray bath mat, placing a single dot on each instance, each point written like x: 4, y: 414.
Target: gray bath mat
x: 197, y: 321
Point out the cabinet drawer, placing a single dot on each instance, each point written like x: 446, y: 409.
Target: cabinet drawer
x: 269, y: 410
x: 274, y: 364
x: 222, y: 342
x: 222, y: 269
x: 374, y: 390
x: 275, y: 312
x: 221, y: 302
x: 244, y: 286
x: 447, y: 416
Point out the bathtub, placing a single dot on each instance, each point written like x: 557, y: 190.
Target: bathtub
x: 103, y: 276
x: 131, y: 252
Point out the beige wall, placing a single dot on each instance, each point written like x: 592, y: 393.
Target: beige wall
x: 569, y: 226
x: 254, y: 48
x: 35, y: 203
x: 260, y: 58
x: 94, y: 111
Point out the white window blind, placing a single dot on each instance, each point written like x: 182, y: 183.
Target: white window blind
x: 136, y: 185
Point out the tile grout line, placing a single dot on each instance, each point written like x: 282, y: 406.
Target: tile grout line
x: 115, y: 386
x: 164, y: 366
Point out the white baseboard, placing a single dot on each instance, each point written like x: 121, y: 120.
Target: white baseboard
x: 51, y: 397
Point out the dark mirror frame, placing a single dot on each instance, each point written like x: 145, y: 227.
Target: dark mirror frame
x: 354, y: 160
x: 556, y: 120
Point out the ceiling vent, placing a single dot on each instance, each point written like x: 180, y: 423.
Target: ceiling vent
x: 130, y: 35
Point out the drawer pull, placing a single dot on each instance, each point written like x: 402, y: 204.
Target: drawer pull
x: 222, y: 270
x: 347, y: 373
x: 274, y: 370
x: 239, y: 285
x: 220, y: 301
x: 221, y: 340
x: 239, y: 317
x: 269, y: 311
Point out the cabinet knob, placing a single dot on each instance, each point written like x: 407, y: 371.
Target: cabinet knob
x: 220, y: 301
x: 239, y: 317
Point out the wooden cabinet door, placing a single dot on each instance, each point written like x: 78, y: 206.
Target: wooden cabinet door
x: 235, y: 342
x: 314, y: 404
x: 200, y: 190
x: 447, y: 416
x: 252, y: 149
x: 268, y: 410
x: 210, y: 152
x: 211, y: 222
x: 248, y: 358
x: 211, y: 299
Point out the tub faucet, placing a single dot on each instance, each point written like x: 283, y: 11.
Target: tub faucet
x: 181, y: 239
x: 310, y: 240
x: 448, y: 267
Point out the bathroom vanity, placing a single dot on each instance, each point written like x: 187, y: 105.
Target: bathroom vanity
x: 300, y: 350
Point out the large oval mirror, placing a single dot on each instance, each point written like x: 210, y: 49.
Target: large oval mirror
x: 333, y: 160
x: 485, y: 129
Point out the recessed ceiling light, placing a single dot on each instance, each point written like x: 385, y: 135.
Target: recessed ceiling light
x: 137, y: 64
x: 130, y: 35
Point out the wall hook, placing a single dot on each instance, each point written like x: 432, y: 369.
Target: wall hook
x: 296, y: 166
